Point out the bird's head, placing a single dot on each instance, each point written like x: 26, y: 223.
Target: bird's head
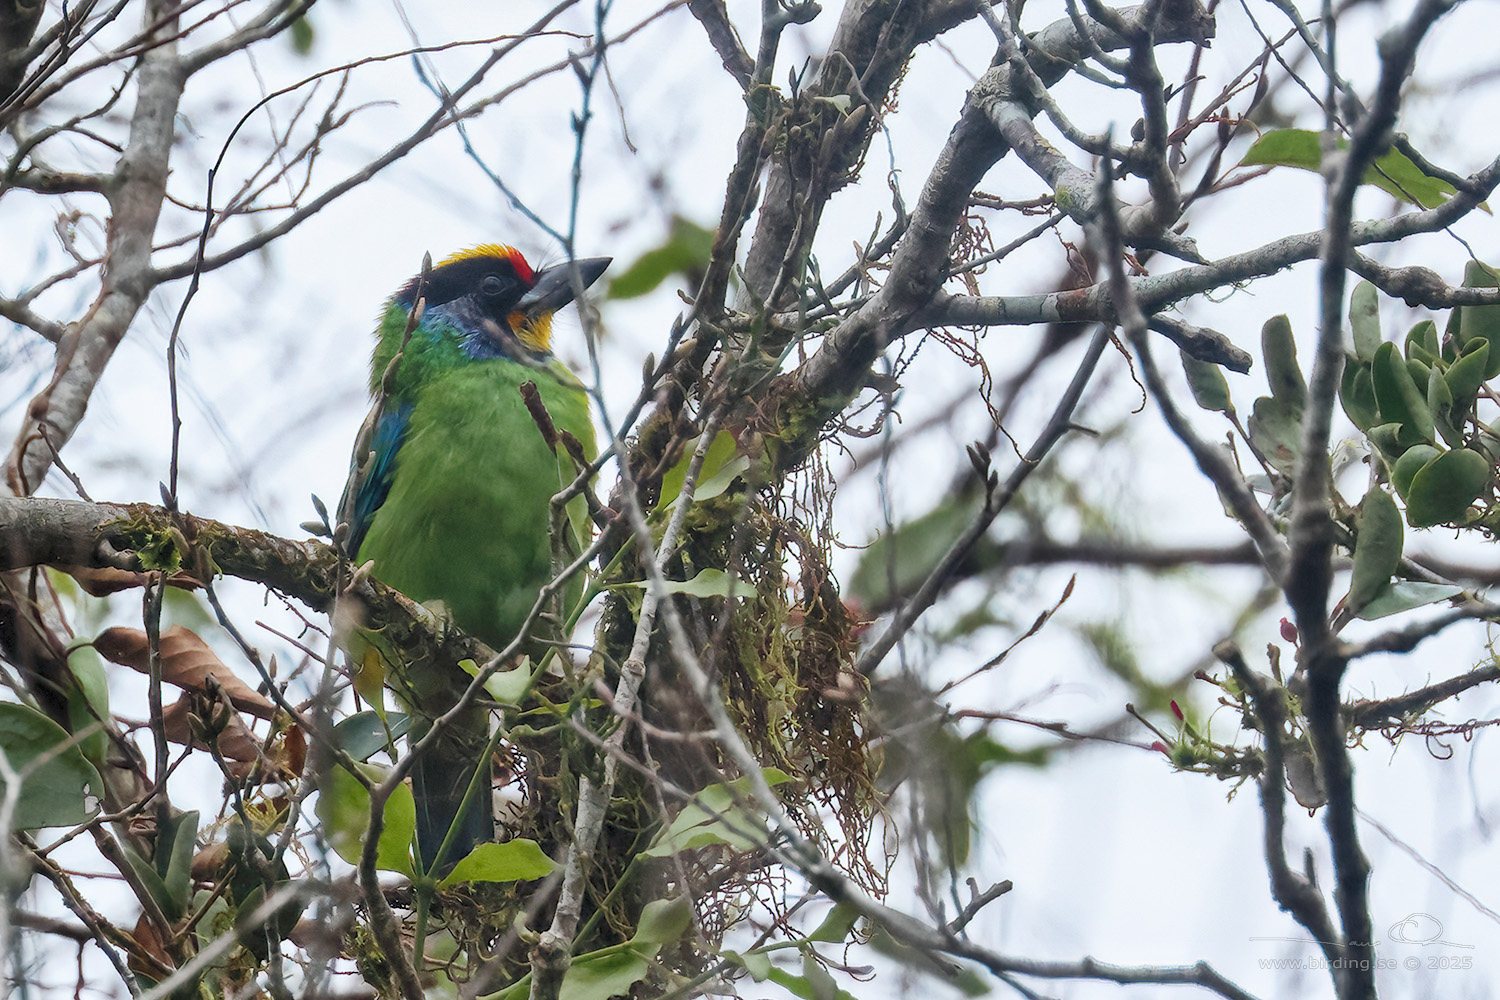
x: 493, y: 304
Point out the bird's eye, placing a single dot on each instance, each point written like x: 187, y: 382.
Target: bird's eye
x: 491, y: 285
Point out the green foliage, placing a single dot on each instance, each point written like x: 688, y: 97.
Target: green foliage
x: 1357, y: 393
x: 1416, y: 403
x: 56, y: 781
x: 518, y: 860
x: 707, y: 583
x: 837, y: 925
x: 88, y: 700
x: 898, y: 561
x: 722, y: 463
x: 1480, y: 323
x: 720, y: 814
x: 167, y: 877
x: 365, y: 734
x: 1393, y: 172
x: 814, y: 984
x: 344, y: 809
x: 1275, y: 428
x: 1443, y: 489
x: 255, y: 866
x: 1398, y: 399
x: 1377, y: 549
x: 945, y: 768
x: 1364, y: 320
x: 614, y: 971
x: 1283, y: 373
x: 1407, y: 595
x: 302, y: 36
x: 685, y: 251
x: 1206, y: 381
x: 1275, y: 425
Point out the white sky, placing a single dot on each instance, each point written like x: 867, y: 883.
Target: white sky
x: 1113, y: 855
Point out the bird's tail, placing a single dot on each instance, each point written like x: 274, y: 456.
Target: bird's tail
x: 440, y: 781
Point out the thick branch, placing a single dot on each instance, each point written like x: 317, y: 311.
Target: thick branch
x: 135, y: 200
x: 69, y: 533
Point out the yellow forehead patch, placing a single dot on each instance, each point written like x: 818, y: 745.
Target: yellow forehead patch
x: 499, y: 250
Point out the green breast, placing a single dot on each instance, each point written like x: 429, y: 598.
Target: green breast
x: 467, y: 517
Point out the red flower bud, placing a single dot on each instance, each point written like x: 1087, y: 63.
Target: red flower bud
x: 1289, y: 631
x: 1177, y: 711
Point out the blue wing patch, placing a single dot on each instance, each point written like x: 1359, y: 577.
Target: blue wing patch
x: 370, y: 482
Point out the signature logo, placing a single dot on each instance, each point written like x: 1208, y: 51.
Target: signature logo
x: 1421, y: 929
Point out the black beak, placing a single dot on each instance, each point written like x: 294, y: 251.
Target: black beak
x: 554, y: 285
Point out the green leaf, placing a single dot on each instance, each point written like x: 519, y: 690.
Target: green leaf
x: 1398, y: 397
x: 1377, y: 549
x: 302, y: 36
x: 1287, y: 147
x: 1467, y: 374
x: 344, y: 808
x: 817, y: 977
x: 614, y: 971
x: 517, y: 860
x: 1420, y: 372
x: 897, y: 562
x: 720, y: 814
x: 1364, y: 320
x: 600, y: 976
x: 58, y: 785
x: 662, y: 922
x: 803, y: 986
x: 1422, y: 342
x: 177, y: 878
x: 149, y: 878
x: 1393, y: 173
x: 1481, y: 322
x: 1439, y: 396
x: 1357, y: 394
x: 757, y: 963
x: 1443, y: 489
x: 1283, y: 373
x: 88, y: 700
x: 1276, y: 429
x: 1396, y: 175
x: 1387, y: 437
x: 837, y: 925
x: 363, y: 735
x: 1206, y: 381
x: 721, y: 480
x: 1405, y: 595
x: 685, y: 251
x: 1405, y: 468
x: 708, y: 583
x: 1440, y: 402
x: 508, y: 687
x: 921, y: 961
x: 721, y: 463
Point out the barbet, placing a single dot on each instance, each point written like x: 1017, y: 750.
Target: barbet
x: 451, y: 486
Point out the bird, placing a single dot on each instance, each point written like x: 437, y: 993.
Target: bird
x: 450, y: 489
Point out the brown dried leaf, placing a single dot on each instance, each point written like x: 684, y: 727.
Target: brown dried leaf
x: 209, y: 863
x: 150, y: 957
x: 186, y: 661
x: 235, y: 741
x: 101, y: 581
x: 296, y: 750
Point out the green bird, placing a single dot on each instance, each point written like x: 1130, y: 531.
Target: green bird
x: 451, y: 485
